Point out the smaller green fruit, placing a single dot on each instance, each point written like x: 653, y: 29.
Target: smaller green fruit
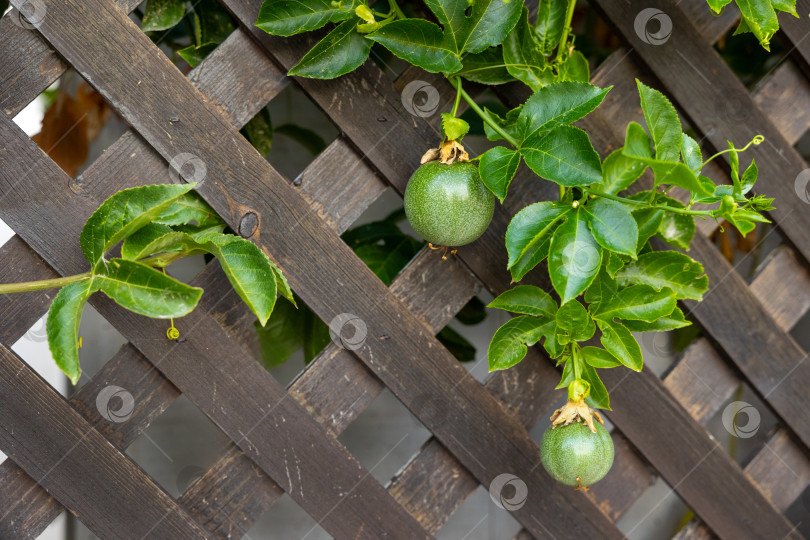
x: 448, y: 205
x: 576, y: 456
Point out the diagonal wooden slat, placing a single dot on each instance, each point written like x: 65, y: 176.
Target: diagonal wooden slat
x: 229, y: 156
x: 55, y: 446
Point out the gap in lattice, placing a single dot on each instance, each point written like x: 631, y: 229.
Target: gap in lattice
x: 286, y: 519
x: 479, y: 518
x: 658, y: 513
x: 178, y: 447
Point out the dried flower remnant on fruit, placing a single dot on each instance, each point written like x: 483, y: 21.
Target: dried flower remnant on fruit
x: 575, y: 411
x: 448, y: 153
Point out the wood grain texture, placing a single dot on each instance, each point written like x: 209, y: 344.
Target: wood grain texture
x: 255, y: 186
x: 55, y: 446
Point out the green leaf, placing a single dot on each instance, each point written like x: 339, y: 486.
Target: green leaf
x: 498, y: 167
x: 526, y: 300
x: 186, y: 209
x: 387, y: 260
x: 343, y: 50
x: 463, y: 350
x: 787, y: 6
x: 671, y: 172
x: 133, y: 246
x: 529, y: 235
x: 316, y: 336
x: 662, y: 269
x: 558, y: 104
x: 599, y: 358
x: 124, y: 213
x: 749, y: 178
x: 601, y: 291
x: 718, y: 5
x: 568, y: 375
x: 487, y: 25
x: 550, y: 23
x: 676, y: 229
x: 598, y: 398
x: 486, y: 67
x: 690, y: 153
x: 285, y: 18
x: 612, y: 225
x: 508, y: 124
x: 259, y: 132
x: 760, y: 18
x: 194, y: 55
x: 614, y: 264
x: 508, y: 345
x: 575, y: 68
x: 145, y: 290
x: 523, y: 59
x: 282, y: 335
x: 638, y: 303
x: 162, y: 14
x: 619, y: 172
x: 564, y: 156
x: 574, y: 257
x: 618, y: 340
x: 574, y: 323
x: 454, y: 128
x: 213, y: 23
x: 672, y: 321
x: 637, y: 143
x: 62, y: 326
x: 662, y: 121
x: 421, y: 43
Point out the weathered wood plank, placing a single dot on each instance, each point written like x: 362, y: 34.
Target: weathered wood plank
x: 55, y: 446
x: 285, y: 211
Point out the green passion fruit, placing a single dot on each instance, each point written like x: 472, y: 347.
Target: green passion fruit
x: 448, y: 205
x: 574, y: 455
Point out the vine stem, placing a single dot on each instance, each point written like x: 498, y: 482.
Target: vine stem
x: 457, y: 83
x: 7, y: 288
x: 486, y: 117
x: 395, y: 9
x: 569, y: 15
x: 756, y: 141
x: 672, y: 209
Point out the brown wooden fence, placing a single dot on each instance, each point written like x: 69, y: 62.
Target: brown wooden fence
x: 65, y: 454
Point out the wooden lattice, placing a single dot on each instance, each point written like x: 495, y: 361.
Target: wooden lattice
x: 66, y: 455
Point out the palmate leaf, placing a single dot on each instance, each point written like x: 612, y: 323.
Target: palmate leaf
x: 676, y: 229
x: 564, y: 156
x: 343, y: 50
x: 133, y: 246
x: 524, y: 58
x: 487, y: 25
x: 618, y: 340
x: 145, y: 290
x: 529, y: 235
x: 124, y: 213
x: 486, y: 67
x: 618, y: 173
x: 421, y: 43
x: 573, y: 323
x: 62, y: 326
x: 286, y: 18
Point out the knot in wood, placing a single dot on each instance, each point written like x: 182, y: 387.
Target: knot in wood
x: 248, y: 224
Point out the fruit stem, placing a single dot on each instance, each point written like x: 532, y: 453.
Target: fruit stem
x: 487, y: 118
x: 7, y: 288
x: 672, y: 209
x: 457, y: 83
